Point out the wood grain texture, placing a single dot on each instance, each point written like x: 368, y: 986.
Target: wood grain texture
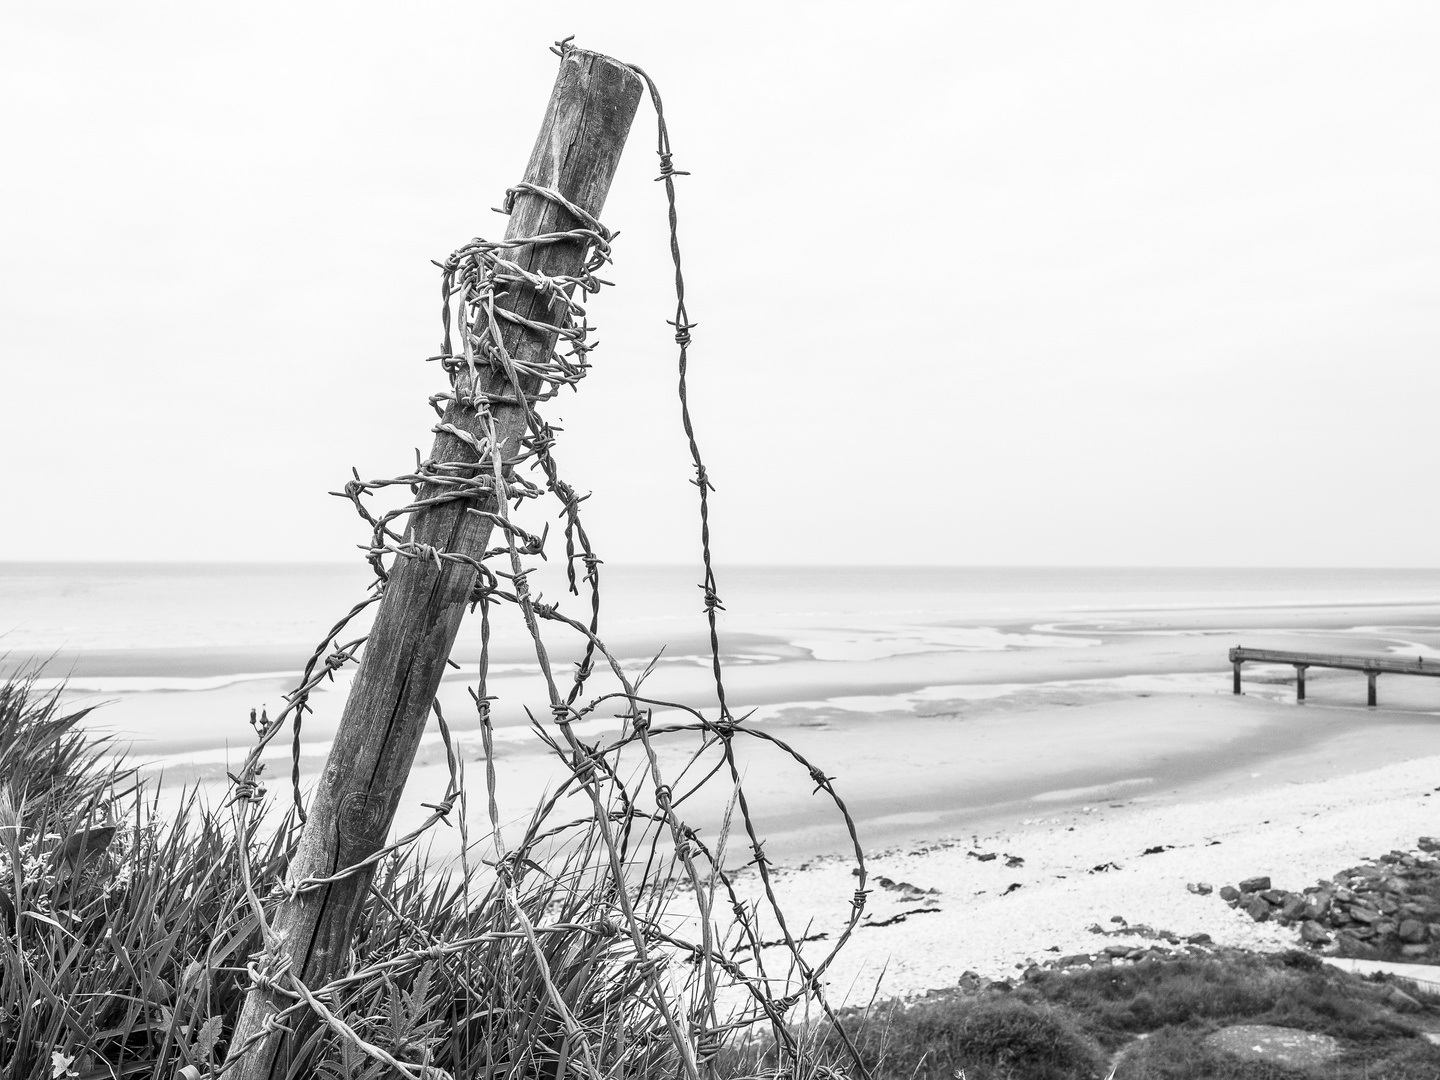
x: 588, y: 119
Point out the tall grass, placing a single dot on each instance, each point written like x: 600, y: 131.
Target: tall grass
x: 125, y: 942
x: 127, y: 937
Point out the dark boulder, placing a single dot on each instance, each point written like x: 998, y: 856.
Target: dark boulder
x: 1293, y: 907
x: 1256, y: 908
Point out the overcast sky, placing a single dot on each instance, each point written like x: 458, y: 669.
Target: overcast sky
x: 1068, y: 283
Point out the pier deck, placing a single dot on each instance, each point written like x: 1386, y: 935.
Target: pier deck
x: 1372, y: 666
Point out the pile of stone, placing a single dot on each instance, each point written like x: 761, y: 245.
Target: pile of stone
x: 1389, y: 907
x: 1164, y: 945
x: 1155, y: 945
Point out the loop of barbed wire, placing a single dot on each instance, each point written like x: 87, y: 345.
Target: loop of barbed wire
x: 474, y: 278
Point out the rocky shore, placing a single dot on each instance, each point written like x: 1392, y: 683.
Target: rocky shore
x: 1383, y: 909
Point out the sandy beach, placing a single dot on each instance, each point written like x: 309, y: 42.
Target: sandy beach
x: 1085, y: 867
x: 1069, y: 776
x: 1058, y: 738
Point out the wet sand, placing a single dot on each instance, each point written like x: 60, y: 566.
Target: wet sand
x: 943, y: 737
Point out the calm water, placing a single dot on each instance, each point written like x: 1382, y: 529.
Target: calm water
x: 75, y: 608
x: 179, y: 654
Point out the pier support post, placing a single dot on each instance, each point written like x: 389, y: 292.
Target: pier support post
x: 1371, y: 676
x: 1299, y: 682
x: 1237, y: 676
x: 585, y: 127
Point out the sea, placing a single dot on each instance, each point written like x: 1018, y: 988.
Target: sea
x: 142, y: 632
x: 173, y: 657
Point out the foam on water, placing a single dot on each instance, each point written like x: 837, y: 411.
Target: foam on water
x: 878, y: 642
x: 887, y: 640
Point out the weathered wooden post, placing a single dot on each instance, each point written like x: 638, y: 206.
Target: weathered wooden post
x: 576, y: 153
x: 1237, y: 676
x: 1299, y: 682
x: 1371, y: 676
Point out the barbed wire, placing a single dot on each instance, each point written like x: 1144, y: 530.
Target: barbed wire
x: 473, y: 278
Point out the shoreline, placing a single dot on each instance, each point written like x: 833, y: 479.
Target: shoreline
x: 997, y: 917
x: 1069, y: 745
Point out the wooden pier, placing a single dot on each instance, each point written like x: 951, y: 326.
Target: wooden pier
x: 1372, y: 666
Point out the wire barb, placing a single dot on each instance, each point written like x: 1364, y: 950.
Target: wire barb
x: 635, y: 917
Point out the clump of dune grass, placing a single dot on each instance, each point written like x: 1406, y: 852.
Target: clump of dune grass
x: 994, y: 1038
x: 1292, y: 989
x: 124, y: 941
x: 127, y: 938
x: 1147, y: 1021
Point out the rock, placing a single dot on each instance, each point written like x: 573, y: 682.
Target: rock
x: 1312, y: 933
x: 1386, y: 928
x: 1074, y: 960
x: 1198, y: 939
x: 1361, y: 913
x: 1317, y: 905
x: 1254, y: 884
x: 1200, y: 888
x: 1387, y: 905
x: 1414, y: 950
x: 1428, y: 843
x: 1411, y: 931
x: 1117, y: 950
x: 1275, y: 1045
x: 1274, y: 897
x: 1229, y: 892
x: 1294, y: 907
x: 1256, y: 908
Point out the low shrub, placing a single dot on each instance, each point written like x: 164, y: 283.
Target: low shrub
x: 1114, y: 1004
x: 1180, y: 1054
x: 986, y: 1038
